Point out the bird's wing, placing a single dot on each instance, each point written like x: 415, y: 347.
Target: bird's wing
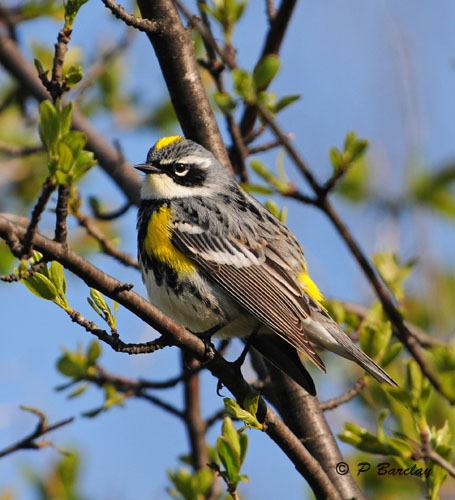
x: 255, y: 275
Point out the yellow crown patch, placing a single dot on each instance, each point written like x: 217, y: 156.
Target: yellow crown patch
x: 165, y: 141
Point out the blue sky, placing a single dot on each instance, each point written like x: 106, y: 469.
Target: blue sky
x: 384, y: 69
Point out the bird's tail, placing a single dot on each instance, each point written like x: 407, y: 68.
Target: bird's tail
x: 351, y: 351
x: 284, y: 357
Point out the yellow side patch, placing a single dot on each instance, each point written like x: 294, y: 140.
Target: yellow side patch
x: 158, y: 242
x: 310, y: 288
x: 165, y: 141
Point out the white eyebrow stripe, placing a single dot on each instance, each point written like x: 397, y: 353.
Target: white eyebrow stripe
x: 194, y: 160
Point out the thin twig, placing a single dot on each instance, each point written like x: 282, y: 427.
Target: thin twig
x: 426, y: 451
x: 47, y: 189
x: 127, y: 178
x: 216, y: 417
x: 28, y: 443
x: 14, y: 277
x: 130, y: 388
x: 61, y: 211
x: 114, y: 341
x: 119, y: 12
x: 266, y: 146
x: 115, y: 214
x: 331, y: 404
x: 107, y: 246
x: 12, y: 150
x: 270, y: 9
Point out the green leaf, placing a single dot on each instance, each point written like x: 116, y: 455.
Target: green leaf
x: 284, y: 102
x: 72, y: 365
x: 353, y: 187
x: 39, y: 67
x: 65, y: 117
x: 75, y: 141
x: 243, y: 85
x: 224, y: 101
x: 58, y: 276
x: 375, y: 333
x: 393, y: 271
x: 65, y: 158
x: 93, y: 352
x: 78, y: 391
x: 243, y: 438
x: 71, y: 9
x: 231, y: 434
x: 251, y: 402
x: 100, y: 301
x: 41, y: 286
x: 229, y: 458
x: 256, y: 188
x: 265, y: 71
x: 74, y: 75
x: 234, y: 410
x: 93, y: 413
x: 48, y: 126
x: 392, y: 352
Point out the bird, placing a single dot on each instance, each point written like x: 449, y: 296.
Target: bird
x: 213, y: 258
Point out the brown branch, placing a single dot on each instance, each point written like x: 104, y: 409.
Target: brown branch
x: 12, y: 150
x: 121, y: 172
x: 203, y: 28
x: 47, y: 189
x: 304, y: 417
x: 28, y: 443
x: 113, y: 340
x: 130, y: 388
x: 119, y: 12
x: 61, y: 210
x: 175, y: 52
x: 266, y: 146
x: 384, y: 295
x: 195, y: 424
x: 58, y: 86
x: 175, y: 334
x: 216, y: 417
x: 426, y: 451
x: 115, y: 214
x: 107, y: 246
x: 270, y: 9
x: 331, y: 404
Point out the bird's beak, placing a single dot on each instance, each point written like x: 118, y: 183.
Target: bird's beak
x: 147, y: 168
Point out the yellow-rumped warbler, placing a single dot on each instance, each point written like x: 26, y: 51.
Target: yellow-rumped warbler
x: 212, y: 255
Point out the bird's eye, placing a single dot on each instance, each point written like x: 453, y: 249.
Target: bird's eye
x: 181, y: 169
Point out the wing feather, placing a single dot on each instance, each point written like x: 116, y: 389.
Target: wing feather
x: 252, y: 275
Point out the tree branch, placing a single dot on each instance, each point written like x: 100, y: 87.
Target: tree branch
x: 303, y: 415
x: 128, y: 179
x: 136, y: 22
x: 28, y: 443
x: 195, y: 424
x: 224, y: 371
x: 106, y: 245
x: 384, y: 295
x: 174, y: 50
x: 333, y: 403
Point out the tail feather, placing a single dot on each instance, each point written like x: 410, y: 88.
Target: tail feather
x: 284, y: 357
